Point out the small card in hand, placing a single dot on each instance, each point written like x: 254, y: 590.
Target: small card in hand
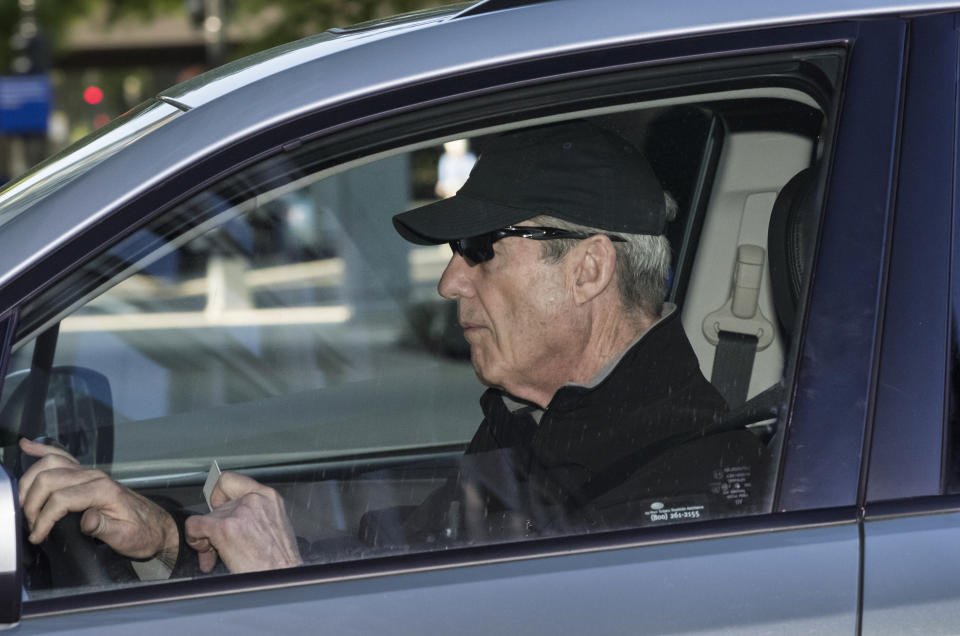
x: 212, y: 477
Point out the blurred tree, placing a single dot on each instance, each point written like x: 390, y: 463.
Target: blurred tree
x: 297, y: 18
x: 301, y: 19
x: 54, y: 17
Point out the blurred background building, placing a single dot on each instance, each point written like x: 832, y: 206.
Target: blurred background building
x: 68, y: 68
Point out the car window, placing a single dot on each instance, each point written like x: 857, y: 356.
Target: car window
x: 277, y: 324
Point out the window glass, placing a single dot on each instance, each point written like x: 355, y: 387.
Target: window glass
x: 277, y: 324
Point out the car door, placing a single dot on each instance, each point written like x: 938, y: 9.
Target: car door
x: 791, y: 562
x: 911, y: 525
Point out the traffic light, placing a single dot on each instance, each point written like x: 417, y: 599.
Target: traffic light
x: 93, y: 95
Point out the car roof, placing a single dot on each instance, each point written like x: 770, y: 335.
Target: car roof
x: 223, y: 79
x: 610, y: 20
x: 229, y: 104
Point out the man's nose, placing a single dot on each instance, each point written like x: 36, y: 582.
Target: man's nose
x: 455, y: 281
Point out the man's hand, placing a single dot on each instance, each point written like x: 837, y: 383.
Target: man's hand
x: 129, y: 523
x: 248, y: 527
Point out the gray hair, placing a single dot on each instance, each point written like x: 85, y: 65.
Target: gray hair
x: 643, y: 261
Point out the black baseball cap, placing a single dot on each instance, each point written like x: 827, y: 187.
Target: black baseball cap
x: 574, y: 171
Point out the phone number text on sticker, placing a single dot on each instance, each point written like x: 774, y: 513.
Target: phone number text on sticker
x: 661, y: 513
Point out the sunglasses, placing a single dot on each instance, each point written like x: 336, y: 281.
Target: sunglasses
x: 479, y: 249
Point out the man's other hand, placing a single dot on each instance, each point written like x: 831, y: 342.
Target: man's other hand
x: 131, y: 524
x: 248, y: 527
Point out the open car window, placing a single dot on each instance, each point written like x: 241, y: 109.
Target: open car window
x: 276, y: 323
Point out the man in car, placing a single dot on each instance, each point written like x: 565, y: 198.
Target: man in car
x: 596, y: 411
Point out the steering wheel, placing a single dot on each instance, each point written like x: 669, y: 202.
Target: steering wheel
x: 74, y: 558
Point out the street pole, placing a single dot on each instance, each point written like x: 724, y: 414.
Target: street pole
x: 214, y: 32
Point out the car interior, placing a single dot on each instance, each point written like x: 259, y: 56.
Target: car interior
x: 339, y: 432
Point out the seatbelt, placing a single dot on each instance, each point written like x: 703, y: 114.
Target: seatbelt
x: 739, y: 329
x: 733, y: 366
x: 32, y: 423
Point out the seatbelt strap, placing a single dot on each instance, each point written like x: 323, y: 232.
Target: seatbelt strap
x: 733, y: 366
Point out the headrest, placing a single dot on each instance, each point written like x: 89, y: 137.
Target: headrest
x: 790, y: 242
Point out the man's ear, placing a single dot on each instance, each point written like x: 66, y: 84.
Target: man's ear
x: 593, y: 267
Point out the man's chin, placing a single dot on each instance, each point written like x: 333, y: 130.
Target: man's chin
x: 476, y: 367
x: 488, y: 384
x: 478, y: 370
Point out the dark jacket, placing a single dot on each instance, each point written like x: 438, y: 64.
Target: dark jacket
x: 625, y: 452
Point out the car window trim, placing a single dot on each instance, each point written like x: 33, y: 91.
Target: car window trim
x: 822, y: 461
x: 726, y: 527
x: 330, y: 573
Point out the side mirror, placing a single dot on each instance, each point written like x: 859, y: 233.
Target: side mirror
x: 76, y: 410
x: 11, y: 576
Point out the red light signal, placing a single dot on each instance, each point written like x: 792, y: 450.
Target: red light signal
x: 93, y: 95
